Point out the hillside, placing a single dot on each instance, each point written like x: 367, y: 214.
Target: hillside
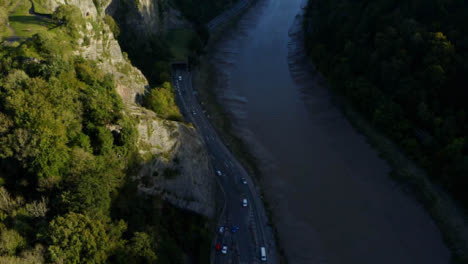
x: 404, y: 66
x: 85, y: 171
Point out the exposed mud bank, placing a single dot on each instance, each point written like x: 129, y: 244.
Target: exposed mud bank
x: 330, y: 194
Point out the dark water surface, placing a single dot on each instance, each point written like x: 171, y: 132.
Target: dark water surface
x: 330, y: 193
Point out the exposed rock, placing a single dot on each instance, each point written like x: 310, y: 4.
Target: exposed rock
x: 87, y: 7
x: 105, y: 50
x: 148, y: 17
x: 177, y: 165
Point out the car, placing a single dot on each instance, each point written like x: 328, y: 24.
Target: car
x: 194, y: 113
x: 221, y: 229
x: 244, y: 181
x: 180, y: 78
x: 263, y: 254
x: 219, y: 173
x: 244, y: 202
x: 224, y: 250
x: 218, y: 247
x: 234, y: 229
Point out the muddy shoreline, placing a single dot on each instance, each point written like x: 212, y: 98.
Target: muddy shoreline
x: 329, y: 193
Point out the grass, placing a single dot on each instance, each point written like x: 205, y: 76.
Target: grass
x: 179, y: 42
x: 25, y: 24
x: 41, y: 7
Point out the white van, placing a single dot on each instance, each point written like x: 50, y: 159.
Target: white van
x: 262, y: 253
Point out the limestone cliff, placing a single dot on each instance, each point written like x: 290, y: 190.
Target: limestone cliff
x: 147, y: 17
x: 176, y: 165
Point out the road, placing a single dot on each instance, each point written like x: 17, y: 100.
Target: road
x: 254, y: 230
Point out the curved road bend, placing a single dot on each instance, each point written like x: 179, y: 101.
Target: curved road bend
x: 254, y: 232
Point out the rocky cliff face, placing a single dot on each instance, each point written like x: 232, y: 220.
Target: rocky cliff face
x: 87, y: 7
x: 176, y: 165
x: 148, y: 17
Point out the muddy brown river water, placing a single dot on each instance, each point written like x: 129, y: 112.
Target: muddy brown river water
x: 330, y: 193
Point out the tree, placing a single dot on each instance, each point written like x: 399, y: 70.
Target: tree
x: 75, y: 238
x: 140, y: 250
x: 162, y: 101
x: 71, y: 17
x: 10, y: 242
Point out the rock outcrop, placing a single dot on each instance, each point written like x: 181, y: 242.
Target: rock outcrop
x: 176, y: 165
x: 148, y: 17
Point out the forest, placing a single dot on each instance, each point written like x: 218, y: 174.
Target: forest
x: 67, y: 148
x: 404, y: 67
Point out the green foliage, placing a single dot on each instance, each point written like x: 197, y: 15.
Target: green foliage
x: 140, y: 249
x: 70, y: 16
x: 75, y: 238
x: 23, y: 23
x: 403, y: 66
x: 66, y: 145
x: 10, y: 242
x: 63, y: 124
x: 162, y: 101
x: 30, y: 256
x: 112, y: 25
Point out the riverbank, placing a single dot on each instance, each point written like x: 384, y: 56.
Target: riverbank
x: 205, y: 80
x: 342, y: 204
x: 449, y: 217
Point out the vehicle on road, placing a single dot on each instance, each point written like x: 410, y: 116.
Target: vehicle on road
x: 180, y: 78
x: 221, y: 229
x: 224, y: 250
x: 219, y: 173
x: 262, y: 253
x: 244, y: 181
x: 244, y: 202
x: 234, y: 229
x: 218, y: 247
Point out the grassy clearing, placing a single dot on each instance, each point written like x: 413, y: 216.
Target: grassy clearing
x: 25, y: 24
x: 41, y: 7
x: 179, y: 42
x: 5, y: 32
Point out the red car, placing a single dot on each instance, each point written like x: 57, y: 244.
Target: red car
x: 218, y: 247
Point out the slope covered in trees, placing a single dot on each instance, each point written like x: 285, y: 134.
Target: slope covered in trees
x: 67, y: 145
x: 404, y: 65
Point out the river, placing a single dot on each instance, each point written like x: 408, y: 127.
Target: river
x: 330, y: 193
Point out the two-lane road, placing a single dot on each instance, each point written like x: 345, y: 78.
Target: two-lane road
x: 244, y: 244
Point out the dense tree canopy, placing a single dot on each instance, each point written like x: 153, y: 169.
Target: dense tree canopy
x: 404, y: 65
x: 67, y: 144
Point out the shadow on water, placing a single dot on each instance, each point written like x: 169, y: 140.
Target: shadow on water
x: 330, y: 194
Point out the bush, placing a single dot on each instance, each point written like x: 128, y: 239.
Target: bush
x: 162, y: 101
